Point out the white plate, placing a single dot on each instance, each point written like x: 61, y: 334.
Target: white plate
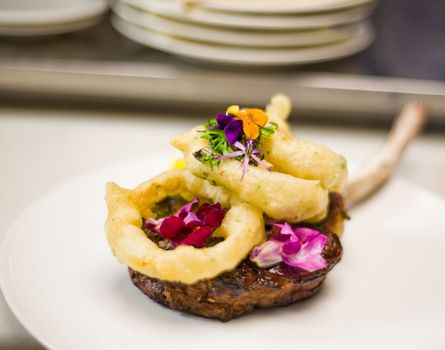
x: 42, y: 30
x: 239, y: 37
x: 251, y: 21
x: 275, y: 6
x: 48, y: 12
x: 232, y: 55
x: 60, y: 279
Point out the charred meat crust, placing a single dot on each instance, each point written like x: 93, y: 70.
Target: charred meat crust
x: 239, y: 291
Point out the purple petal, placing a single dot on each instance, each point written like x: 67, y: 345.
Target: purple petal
x: 245, y: 164
x: 214, y: 217
x: 171, y: 227
x: 260, y: 162
x: 309, y: 257
x: 230, y: 155
x: 204, y: 208
x: 315, y: 245
x: 153, y: 225
x: 150, y: 222
x: 291, y: 247
x: 267, y: 254
x: 283, y: 232
x: 305, y: 234
x: 240, y: 146
x: 182, y: 212
x: 233, y: 131
x: 198, y: 237
x: 223, y: 120
x: 192, y: 220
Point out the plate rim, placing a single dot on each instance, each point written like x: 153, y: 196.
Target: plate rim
x: 250, y: 21
x: 222, y: 6
x: 54, y: 16
x: 49, y: 29
x: 169, y: 26
x: 351, y: 46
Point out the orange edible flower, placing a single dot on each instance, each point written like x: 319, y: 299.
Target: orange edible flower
x: 252, y: 118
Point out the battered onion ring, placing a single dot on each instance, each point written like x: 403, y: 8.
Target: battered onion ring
x: 279, y: 195
x: 242, y: 227
x: 297, y: 157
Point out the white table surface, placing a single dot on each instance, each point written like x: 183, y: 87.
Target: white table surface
x: 41, y: 148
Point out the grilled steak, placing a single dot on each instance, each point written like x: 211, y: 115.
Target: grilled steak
x: 239, y: 291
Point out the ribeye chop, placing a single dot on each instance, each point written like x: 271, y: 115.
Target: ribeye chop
x: 239, y: 291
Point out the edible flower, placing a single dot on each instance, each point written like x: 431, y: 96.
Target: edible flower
x: 247, y: 152
x: 189, y: 226
x: 236, y: 134
x: 299, y: 247
x: 252, y: 118
x: 233, y: 128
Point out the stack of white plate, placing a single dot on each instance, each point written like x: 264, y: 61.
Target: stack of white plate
x: 48, y: 17
x: 248, y: 32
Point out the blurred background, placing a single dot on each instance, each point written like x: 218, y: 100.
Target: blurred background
x: 85, y: 83
x: 200, y: 54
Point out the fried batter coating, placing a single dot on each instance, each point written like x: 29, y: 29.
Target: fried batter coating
x: 242, y: 227
x: 280, y: 196
x: 297, y: 157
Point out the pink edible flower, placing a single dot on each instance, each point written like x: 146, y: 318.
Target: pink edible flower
x: 171, y: 226
x: 299, y: 247
x: 197, y: 237
x: 188, y: 226
x: 248, y: 151
x: 212, y: 215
